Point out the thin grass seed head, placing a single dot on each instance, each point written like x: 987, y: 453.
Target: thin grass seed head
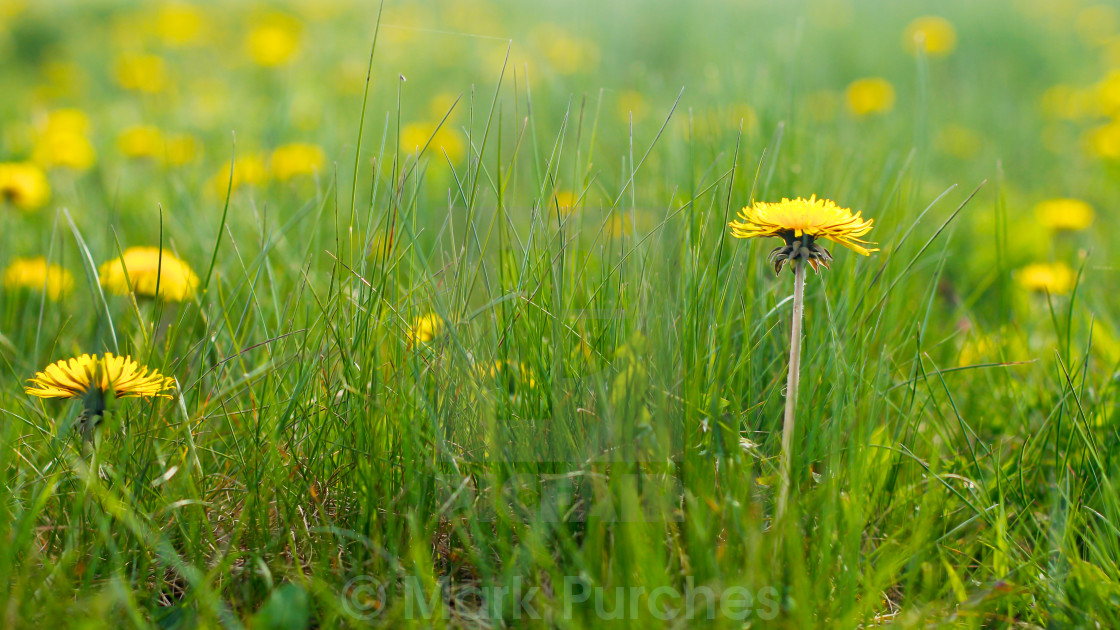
x: 800, y: 222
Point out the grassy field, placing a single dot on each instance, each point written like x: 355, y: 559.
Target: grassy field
x: 460, y: 337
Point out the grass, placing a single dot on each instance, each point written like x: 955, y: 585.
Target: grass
x: 601, y: 407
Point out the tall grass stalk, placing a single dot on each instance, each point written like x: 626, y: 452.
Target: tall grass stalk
x: 793, y: 378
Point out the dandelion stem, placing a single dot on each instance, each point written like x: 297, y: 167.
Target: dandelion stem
x: 792, y: 381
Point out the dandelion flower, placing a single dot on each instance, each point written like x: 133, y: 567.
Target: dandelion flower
x: 92, y: 379
x: 141, y: 73
x: 61, y: 140
x: 564, y: 202
x: 274, y: 41
x: 424, y: 329
x: 140, y: 141
x: 799, y: 222
x: 297, y: 158
x: 179, y: 24
x: 249, y: 170
x: 1055, y: 279
x: 24, y: 185
x: 76, y: 377
x: 179, y: 149
x: 932, y: 34
x: 415, y: 136
x: 873, y: 95
x: 146, y: 272
x: 1065, y: 214
x: 36, y: 274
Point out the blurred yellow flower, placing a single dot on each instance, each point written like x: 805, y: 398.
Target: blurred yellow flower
x: 620, y: 224
x: 180, y: 149
x: 414, y: 136
x: 139, y: 72
x: 441, y: 103
x: 563, y: 202
x: 248, y: 170
x: 297, y: 158
x: 149, y: 274
x: 61, y: 140
x: 11, y: 8
x: 1069, y: 103
x: 1103, y: 97
x: 1095, y: 24
x: 274, y: 39
x: 872, y: 95
x: 1056, y: 279
x: 632, y: 103
x: 567, y: 54
x: 179, y: 24
x: 1064, y: 214
x: 509, y: 374
x: 24, y: 185
x: 1104, y: 141
x: 140, y: 141
x: 932, y: 34
x: 35, y: 274
x: 65, y: 120
x: 70, y: 150
x: 424, y: 329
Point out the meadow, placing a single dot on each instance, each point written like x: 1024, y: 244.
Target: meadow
x: 451, y: 330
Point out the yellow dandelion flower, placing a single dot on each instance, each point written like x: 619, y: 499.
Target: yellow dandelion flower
x: 24, y: 185
x: 932, y: 34
x: 1065, y: 214
x: 61, y: 140
x: 1070, y: 103
x: 1056, y: 279
x: 149, y: 274
x: 415, y: 136
x: 799, y: 222
x: 35, y: 274
x: 567, y: 53
x: 872, y: 95
x: 140, y: 141
x: 65, y: 120
x: 180, y: 149
x: 297, y: 158
x: 424, y: 329
x: 75, y: 378
x: 564, y: 202
x: 274, y: 40
x: 64, y: 149
x: 632, y: 104
x: 1104, y: 141
x: 249, y: 170
x: 142, y: 73
x: 441, y: 104
x: 179, y: 24
x: 1095, y: 24
x: 509, y: 373
x: 1101, y: 98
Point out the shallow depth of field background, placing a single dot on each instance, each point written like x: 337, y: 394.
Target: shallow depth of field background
x: 509, y: 338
